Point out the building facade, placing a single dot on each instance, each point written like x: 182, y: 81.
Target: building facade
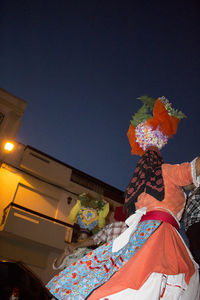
x: 36, y: 196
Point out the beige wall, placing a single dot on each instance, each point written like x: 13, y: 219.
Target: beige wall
x: 45, y: 167
x: 39, y: 259
x: 35, y: 200
x: 47, y: 273
x: 8, y: 182
x: 32, y: 193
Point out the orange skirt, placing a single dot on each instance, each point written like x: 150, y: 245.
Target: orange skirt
x: 164, y: 252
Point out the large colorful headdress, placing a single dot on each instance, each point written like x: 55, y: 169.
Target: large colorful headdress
x: 153, y: 124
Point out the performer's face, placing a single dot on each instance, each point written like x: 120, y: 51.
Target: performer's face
x: 82, y: 236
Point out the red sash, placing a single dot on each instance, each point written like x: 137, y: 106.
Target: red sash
x: 161, y: 215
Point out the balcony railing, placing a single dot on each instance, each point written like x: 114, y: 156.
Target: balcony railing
x: 26, y: 223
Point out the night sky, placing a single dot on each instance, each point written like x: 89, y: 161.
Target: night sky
x: 80, y: 65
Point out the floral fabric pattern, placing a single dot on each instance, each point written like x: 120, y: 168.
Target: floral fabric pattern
x: 78, y: 280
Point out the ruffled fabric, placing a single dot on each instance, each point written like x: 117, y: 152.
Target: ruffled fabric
x: 135, y: 148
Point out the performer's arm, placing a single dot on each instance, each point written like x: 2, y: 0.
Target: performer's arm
x: 82, y: 244
x: 59, y: 260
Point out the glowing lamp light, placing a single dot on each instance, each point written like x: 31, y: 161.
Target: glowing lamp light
x: 9, y: 146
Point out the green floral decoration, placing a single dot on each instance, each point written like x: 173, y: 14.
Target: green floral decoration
x: 89, y: 201
x: 145, y: 112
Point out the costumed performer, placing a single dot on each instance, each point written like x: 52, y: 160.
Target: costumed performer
x: 89, y: 213
x: 79, y: 247
x: 149, y: 260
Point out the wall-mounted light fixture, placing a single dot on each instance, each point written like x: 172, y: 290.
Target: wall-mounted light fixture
x: 69, y: 200
x: 9, y: 146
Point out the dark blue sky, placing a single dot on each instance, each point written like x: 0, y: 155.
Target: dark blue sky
x: 80, y: 65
